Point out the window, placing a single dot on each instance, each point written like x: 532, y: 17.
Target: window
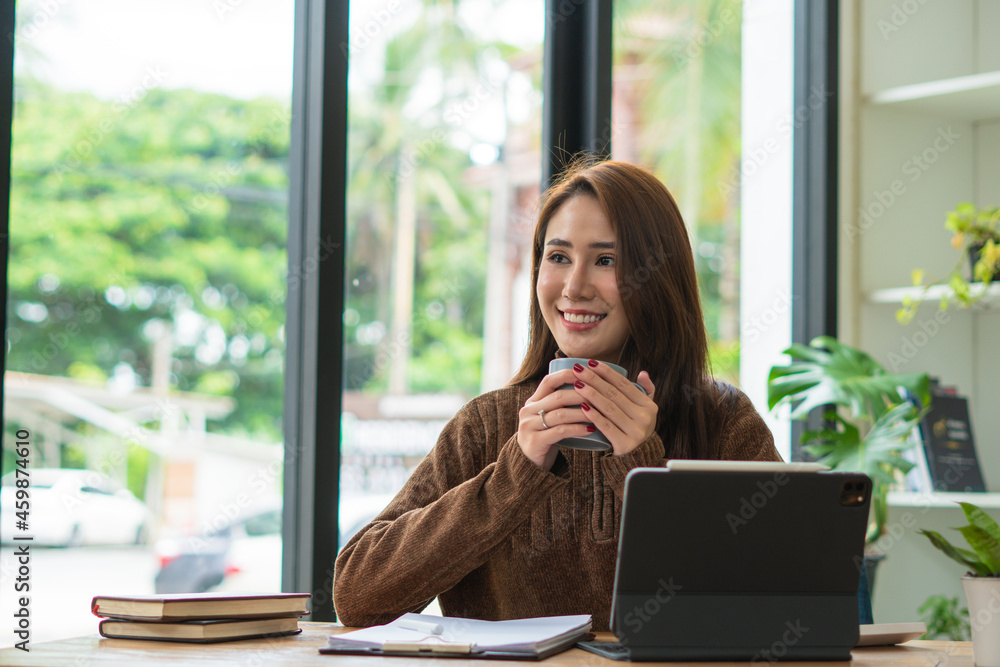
x: 149, y: 209
x: 676, y: 110
x: 444, y: 171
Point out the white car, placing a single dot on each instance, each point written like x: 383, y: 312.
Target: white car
x: 70, y: 507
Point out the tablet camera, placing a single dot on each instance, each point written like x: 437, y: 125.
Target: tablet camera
x: 854, y: 493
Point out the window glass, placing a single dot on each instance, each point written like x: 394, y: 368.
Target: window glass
x: 445, y: 125
x: 268, y: 523
x: 146, y: 304
x: 676, y: 110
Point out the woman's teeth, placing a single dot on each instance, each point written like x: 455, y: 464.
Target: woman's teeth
x: 582, y: 319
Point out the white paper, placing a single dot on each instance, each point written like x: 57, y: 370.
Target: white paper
x: 524, y: 634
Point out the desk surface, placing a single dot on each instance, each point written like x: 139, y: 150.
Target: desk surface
x: 302, y: 649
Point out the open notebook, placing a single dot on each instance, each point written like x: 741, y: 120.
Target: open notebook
x: 436, y: 636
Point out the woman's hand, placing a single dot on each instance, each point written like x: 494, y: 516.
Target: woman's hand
x: 561, y: 418
x: 625, y: 415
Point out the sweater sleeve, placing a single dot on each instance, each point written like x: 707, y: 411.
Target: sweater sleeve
x: 648, y: 454
x: 463, y: 500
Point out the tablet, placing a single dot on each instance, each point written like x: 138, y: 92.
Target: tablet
x: 764, y: 551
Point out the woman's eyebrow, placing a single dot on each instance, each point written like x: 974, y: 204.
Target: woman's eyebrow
x: 600, y: 245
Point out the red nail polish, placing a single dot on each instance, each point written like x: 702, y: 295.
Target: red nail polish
x: 578, y: 384
x: 592, y: 363
x: 591, y: 428
x: 586, y: 408
x: 578, y: 368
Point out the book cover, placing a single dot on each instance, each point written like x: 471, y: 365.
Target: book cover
x: 918, y: 479
x: 948, y: 442
x: 199, y: 631
x: 192, y: 606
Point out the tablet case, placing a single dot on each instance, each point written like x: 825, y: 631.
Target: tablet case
x: 759, y: 566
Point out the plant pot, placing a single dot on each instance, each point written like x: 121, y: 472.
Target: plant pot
x: 866, y: 585
x: 871, y: 566
x: 982, y: 595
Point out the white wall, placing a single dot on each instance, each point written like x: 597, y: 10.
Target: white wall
x: 766, y: 201
x: 902, y: 169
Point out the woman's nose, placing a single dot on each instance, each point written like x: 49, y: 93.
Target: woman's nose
x: 578, y: 284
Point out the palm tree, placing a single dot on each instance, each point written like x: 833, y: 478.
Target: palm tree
x: 403, y: 162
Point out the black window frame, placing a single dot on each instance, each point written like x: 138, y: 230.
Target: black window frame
x: 315, y: 304
x: 814, y: 184
x: 7, y: 21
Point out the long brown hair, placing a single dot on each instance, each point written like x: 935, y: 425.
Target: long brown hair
x: 659, y: 291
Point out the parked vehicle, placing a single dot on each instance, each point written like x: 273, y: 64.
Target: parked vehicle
x: 245, y: 554
x: 70, y: 507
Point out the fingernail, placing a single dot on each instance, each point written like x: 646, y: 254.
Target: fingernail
x: 578, y: 368
x: 591, y: 428
x: 578, y: 384
x: 586, y: 408
x: 592, y: 363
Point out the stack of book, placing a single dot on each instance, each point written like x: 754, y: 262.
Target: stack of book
x: 199, y: 617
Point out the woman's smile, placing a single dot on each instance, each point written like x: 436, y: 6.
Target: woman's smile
x: 581, y: 320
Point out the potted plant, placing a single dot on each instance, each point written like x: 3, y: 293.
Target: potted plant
x: 871, y: 423
x: 981, y: 582
x: 976, y: 233
x: 945, y: 619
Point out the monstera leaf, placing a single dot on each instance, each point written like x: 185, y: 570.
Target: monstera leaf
x: 875, y: 454
x: 828, y: 372
x: 872, y: 423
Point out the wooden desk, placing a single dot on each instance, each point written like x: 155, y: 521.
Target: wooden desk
x: 96, y: 651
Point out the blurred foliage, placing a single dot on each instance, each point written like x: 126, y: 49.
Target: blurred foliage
x: 678, y: 67
x: 410, y: 138
x: 724, y: 360
x: 168, y: 211
x: 945, y: 619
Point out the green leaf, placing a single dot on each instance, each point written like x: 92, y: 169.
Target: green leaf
x: 959, y: 287
x: 985, y: 547
x: 958, y: 555
x: 982, y: 520
x: 830, y: 372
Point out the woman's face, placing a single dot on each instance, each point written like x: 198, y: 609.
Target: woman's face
x: 577, y: 288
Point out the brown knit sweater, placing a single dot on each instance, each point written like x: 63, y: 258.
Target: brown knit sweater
x: 494, y: 536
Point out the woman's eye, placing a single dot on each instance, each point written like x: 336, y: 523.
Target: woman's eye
x: 606, y: 261
x: 558, y: 258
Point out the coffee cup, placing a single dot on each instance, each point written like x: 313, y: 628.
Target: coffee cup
x: 595, y: 442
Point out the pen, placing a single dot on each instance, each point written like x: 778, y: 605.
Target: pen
x: 420, y: 626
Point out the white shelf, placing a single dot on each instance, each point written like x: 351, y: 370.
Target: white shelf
x: 943, y: 499
x: 973, y: 97
x: 934, y: 294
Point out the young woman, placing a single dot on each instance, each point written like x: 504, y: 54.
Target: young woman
x: 498, y: 521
